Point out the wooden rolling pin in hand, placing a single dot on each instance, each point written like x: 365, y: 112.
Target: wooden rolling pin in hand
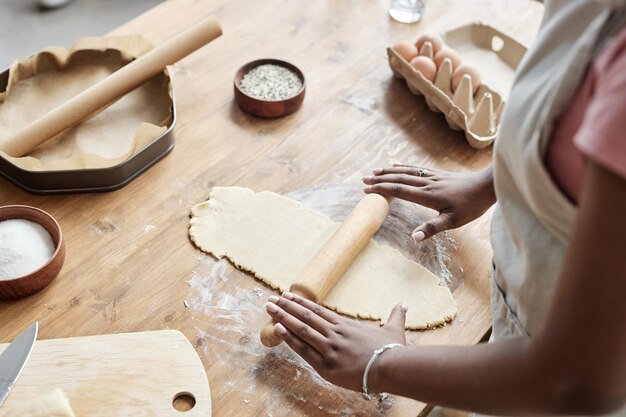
x: 111, y: 88
x: 323, y: 271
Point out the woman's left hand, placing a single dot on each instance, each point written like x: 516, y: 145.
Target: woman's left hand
x: 338, y: 348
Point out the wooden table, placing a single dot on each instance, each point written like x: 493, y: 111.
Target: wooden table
x: 130, y: 265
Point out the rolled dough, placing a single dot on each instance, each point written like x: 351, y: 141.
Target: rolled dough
x: 53, y: 404
x: 272, y: 237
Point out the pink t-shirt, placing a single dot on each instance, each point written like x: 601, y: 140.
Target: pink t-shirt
x: 593, y: 127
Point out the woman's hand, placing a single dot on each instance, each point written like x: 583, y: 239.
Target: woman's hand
x: 459, y: 197
x: 338, y: 348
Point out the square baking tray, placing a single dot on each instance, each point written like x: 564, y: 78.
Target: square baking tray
x: 90, y: 180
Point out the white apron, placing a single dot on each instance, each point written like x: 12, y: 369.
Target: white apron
x: 533, y: 221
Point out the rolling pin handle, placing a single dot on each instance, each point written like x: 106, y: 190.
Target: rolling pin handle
x: 304, y: 291
x: 269, y: 337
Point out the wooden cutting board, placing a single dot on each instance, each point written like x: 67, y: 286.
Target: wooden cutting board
x: 121, y: 375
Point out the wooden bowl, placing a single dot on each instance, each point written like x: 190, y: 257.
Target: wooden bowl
x: 268, y: 108
x: 39, y: 279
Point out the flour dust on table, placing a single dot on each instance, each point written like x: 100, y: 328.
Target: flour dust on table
x: 229, y: 344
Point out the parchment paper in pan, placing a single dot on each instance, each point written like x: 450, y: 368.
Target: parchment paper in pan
x: 42, y: 82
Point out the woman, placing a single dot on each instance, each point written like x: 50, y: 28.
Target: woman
x: 559, y: 238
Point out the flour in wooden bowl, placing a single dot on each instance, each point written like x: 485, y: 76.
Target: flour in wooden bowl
x: 25, y: 247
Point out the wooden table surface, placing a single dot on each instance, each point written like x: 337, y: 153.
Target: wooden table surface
x: 130, y: 265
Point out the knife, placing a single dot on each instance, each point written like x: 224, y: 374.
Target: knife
x: 13, y: 359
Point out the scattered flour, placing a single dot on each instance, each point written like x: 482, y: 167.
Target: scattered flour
x: 274, y: 379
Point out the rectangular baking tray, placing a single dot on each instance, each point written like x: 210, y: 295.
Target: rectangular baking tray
x: 89, y: 180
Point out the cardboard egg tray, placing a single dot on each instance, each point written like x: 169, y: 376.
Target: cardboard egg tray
x: 496, y: 57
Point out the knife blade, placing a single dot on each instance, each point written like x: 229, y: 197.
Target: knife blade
x: 13, y: 359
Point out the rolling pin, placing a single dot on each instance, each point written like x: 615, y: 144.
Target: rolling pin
x: 109, y: 89
x: 323, y: 271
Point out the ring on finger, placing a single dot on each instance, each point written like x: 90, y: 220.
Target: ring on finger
x: 421, y: 172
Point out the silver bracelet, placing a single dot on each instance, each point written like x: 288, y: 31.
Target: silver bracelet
x: 366, y: 391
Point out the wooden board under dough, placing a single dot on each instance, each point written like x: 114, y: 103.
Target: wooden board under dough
x: 121, y: 375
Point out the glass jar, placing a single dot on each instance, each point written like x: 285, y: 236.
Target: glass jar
x: 406, y: 11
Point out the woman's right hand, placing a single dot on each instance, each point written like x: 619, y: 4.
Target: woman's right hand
x: 459, y: 197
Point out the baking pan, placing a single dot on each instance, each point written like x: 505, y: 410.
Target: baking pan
x: 90, y: 180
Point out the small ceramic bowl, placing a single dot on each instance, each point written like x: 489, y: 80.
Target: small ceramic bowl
x: 268, y: 108
x: 39, y: 279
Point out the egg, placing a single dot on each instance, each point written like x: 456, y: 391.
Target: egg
x: 406, y: 50
x: 434, y: 41
x: 425, y: 66
x: 447, y: 53
x: 458, y: 74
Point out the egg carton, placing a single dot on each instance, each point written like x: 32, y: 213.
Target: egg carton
x: 496, y: 57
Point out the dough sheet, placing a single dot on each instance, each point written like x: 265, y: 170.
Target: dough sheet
x: 52, y: 404
x: 273, y: 238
